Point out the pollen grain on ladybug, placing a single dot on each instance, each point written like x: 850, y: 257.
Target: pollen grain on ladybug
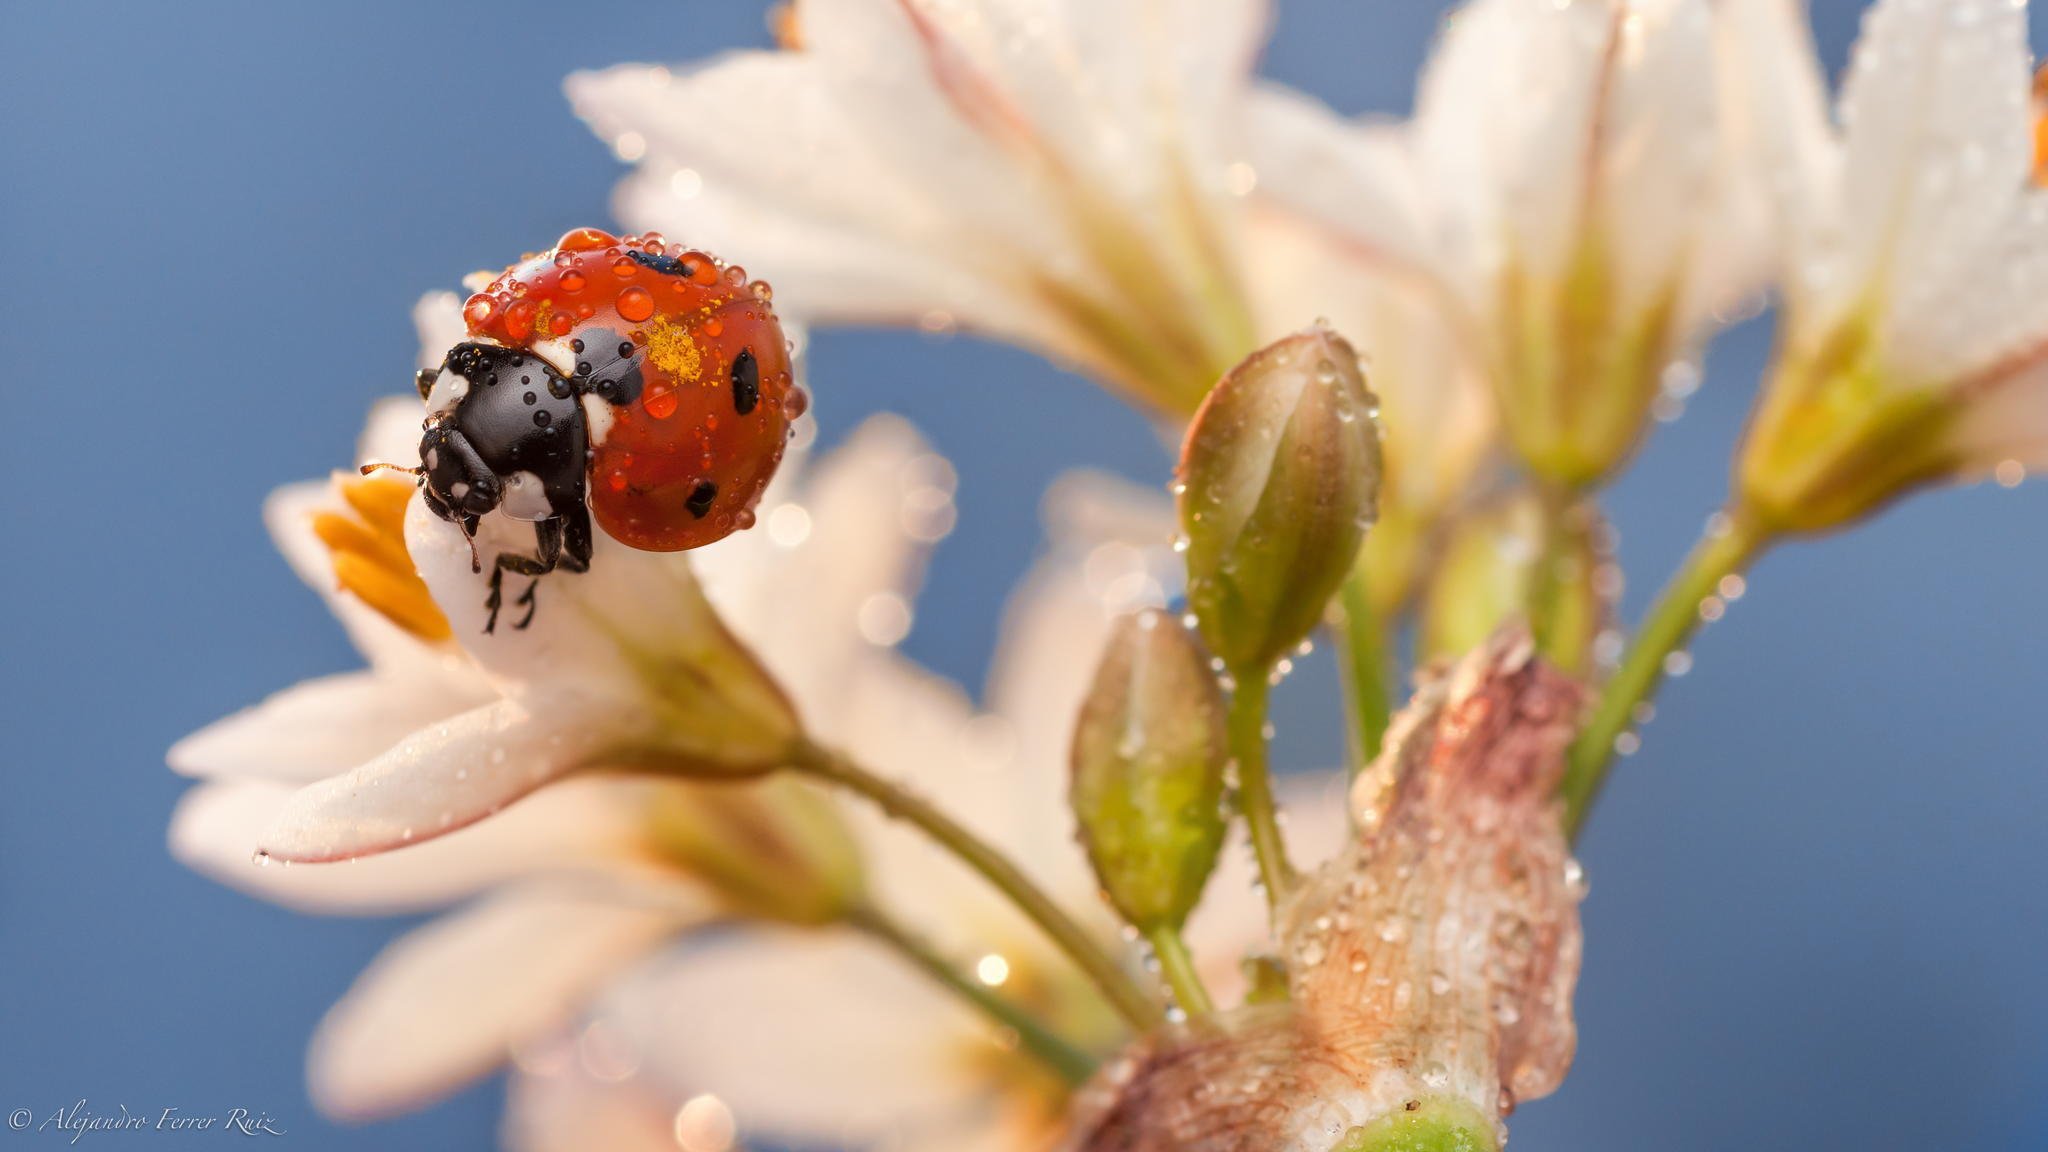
x: 608, y: 379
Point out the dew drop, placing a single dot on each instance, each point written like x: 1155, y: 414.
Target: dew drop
x: 636, y: 304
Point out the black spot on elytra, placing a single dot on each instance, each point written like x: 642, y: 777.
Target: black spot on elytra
x: 746, y: 382
x: 701, y: 497
x: 666, y: 265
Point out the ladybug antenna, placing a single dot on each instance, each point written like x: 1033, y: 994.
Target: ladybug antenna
x: 373, y: 467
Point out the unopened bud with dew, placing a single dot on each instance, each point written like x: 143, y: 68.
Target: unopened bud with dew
x: 1148, y: 761
x: 1278, y: 481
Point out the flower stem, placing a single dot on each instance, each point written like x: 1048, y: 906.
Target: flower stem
x: 1072, y: 1064
x: 1247, y: 723
x: 1123, y: 993
x: 1725, y: 550
x: 1364, y: 660
x: 1178, y: 968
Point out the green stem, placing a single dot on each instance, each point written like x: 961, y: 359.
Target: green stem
x: 1670, y: 623
x: 1247, y: 722
x: 1072, y: 1064
x: 1123, y: 993
x: 1366, y: 665
x: 1178, y: 968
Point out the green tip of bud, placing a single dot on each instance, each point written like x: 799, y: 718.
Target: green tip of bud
x: 1278, y: 482
x: 1148, y: 761
x: 776, y: 849
x: 1429, y: 1124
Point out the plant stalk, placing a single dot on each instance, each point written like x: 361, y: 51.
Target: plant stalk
x: 1247, y: 727
x: 1130, y: 1001
x: 1366, y: 665
x: 1670, y: 623
x: 1072, y: 1064
x: 1177, y: 967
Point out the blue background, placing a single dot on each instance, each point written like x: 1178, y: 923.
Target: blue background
x: 1817, y: 912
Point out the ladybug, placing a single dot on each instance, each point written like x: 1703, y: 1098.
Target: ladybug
x: 608, y: 378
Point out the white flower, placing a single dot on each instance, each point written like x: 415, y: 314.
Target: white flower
x: 830, y: 1040
x: 576, y: 879
x: 1569, y: 196
x: 1076, y: 178
x: 1055, y: 174
x: 1914, y: 343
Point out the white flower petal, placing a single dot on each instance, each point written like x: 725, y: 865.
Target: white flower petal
x: 445, y: 1004
x: 848, y: 543
x: 574, y: 825
x: 808, y: 1038
x: 1357, y: 181
x: 1938, y: 148
x: 438, y: 320
x: 567, y: 1109
x: 446, y: 777
x: 1506, y: 122
x: 1775, y: 111
x: 325, y: 726
x: 633, y: 634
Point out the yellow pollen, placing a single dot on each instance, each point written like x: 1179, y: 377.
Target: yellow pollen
x: 784, y: 26
x: 2041, y: 127
x: 366, y: 546
x: 670, y: 347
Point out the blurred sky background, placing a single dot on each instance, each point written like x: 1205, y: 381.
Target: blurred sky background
x: 1817, y: 913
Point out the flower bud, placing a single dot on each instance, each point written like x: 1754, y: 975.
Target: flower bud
x: 1148, y: 759
x: 775, y: 848
x: 1488, y: 576
x: 1430, y: 963
x: 1278, y: 482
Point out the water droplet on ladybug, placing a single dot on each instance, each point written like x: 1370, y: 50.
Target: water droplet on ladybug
x: 796, y: 403
x: 706, y: 272
x: 585, y: 239
x: 624, y: 268
x: 636, y: 304
x: 519, y: 320
x: 654, y: 243
x: 616, y: 481
x: 572, y: 281
x: 714, y: 327
x: 736, y: 276
x: 762, y: 291
x: 660, y: 405
x: 479, y: 310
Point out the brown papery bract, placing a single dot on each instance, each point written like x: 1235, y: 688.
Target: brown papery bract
x: 1431, y: 963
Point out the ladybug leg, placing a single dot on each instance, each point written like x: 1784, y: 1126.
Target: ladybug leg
x: 494, y: 600
x: 575, y: 539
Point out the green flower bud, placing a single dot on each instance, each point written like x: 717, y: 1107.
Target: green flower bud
x: 1148, y: 759
x: 1429, y: 1124
x: 1278, y: 481
x: 775, y: 848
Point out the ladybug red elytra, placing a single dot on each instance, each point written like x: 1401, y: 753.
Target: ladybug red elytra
x: 608, y: 377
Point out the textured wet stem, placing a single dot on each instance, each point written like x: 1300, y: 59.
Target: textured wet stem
x: 1247, y: 723
x: 1367, y: 668
x: 1130, y: 1001
x: 1670, y: 623
x: 1177, y: 968
x: 1071, y: 1063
